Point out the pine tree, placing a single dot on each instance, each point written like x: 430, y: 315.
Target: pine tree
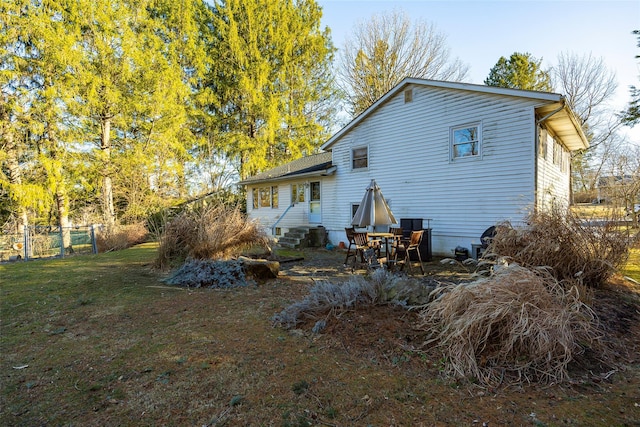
x: 271, y: 81
x: 520, y: 71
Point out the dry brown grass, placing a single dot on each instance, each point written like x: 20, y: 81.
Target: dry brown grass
x: 569, y: 246
x: 121, y: 237
x: 210, y: 232
x: 517, y: 325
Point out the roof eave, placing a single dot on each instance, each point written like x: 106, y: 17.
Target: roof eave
x: 564, y: 124
x: 324, y: 172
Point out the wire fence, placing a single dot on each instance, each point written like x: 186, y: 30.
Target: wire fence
x: 47, y: 242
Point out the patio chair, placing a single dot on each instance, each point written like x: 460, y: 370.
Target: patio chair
x: 362, y: 246
x: 406, y: 248
x: 397, y: 239
x: 350, y: 232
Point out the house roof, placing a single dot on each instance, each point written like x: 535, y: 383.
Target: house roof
x: 313, y: 165
x: 553, y: 111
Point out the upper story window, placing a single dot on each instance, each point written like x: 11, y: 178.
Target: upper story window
x: 542, y: 144
x: 465, y: 141
x: 360, y: 158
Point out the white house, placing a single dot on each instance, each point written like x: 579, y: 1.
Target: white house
x: 462, y: 156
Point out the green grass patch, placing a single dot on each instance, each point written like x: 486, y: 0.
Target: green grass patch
x: 632, y: 267
x: 101, y: 340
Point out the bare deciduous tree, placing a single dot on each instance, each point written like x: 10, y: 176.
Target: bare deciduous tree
x: 587, y: 83
x: 386, y: 49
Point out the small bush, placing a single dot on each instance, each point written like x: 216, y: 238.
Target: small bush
x: 571, y: 247
x: 121, y: 237
x: 209, y: 274
x: 519, y: 323
x: 209, y: 232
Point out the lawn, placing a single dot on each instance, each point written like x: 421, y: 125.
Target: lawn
x: 100, y: 340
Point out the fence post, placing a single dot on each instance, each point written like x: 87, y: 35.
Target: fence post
x: 61, y: 243
x: 26, y: 243
x: 94, y: 245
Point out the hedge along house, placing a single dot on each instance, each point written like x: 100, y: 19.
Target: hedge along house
x: 463, y: 156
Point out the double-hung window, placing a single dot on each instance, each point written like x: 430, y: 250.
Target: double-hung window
x: 360, y: 158
x: 465, y: 141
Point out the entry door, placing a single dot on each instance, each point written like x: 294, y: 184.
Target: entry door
x: 315, y: 215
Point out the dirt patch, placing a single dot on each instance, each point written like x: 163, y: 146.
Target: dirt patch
x: 386, y: 336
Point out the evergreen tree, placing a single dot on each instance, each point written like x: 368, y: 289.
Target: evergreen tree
x: 142, y: 60
x: 631, y: 116
x: 520, y: 71
x: 271, y: 81
x: 40, y: 56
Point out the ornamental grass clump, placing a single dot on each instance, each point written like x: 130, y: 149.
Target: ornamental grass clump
x: 325, y: 297
x: 121, y: 237
x: 519, y: 325
x: 209, y: 232
x: 570, y: 247
x: 380, y: 288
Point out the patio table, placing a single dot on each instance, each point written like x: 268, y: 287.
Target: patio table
x: 386, y: 237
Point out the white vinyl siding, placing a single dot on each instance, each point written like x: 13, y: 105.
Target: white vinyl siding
x: 409, y: 152
x: 409, y: 156
x: 553, y: 172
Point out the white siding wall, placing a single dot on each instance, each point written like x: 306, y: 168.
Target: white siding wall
x: 409, y: 158
x: 267, y: 216
x: 554, y: 180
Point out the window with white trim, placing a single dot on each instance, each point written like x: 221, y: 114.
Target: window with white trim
x: 465, y: 141
x: 360, y: 158
x: 557, y: 153
x: 297, y: 193
x: 255, y: 197
x: 264, y: 197
x: 274, y: 196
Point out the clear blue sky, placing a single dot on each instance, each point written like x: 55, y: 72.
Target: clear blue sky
x: 480, y: 32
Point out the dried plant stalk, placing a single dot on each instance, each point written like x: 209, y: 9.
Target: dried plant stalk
x: 519, y: 323
x: 211, y: 232
x: 571, y: 247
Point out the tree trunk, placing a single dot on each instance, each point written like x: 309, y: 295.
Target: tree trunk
x: 108, y: 211
x: 63, y: 216
x: 56, y: 174
x: 13, y: 166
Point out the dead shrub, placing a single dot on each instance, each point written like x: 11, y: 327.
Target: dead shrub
x: 570, y: 247
x: 208, y: 232
x: 517, y: 325
x: 121, y: 237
